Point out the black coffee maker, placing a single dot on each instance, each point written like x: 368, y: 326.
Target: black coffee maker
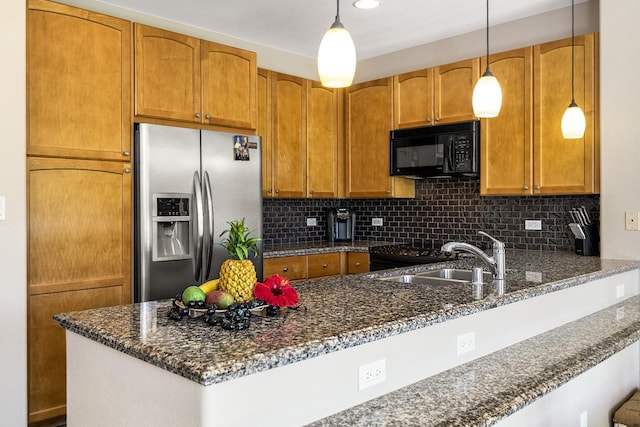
x: 342, y: 224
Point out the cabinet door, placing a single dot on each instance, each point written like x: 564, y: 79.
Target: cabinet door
x: 321, y: 265
x: 46, y: 340
x: 413, y: 99
x: 564, y: 166
x: 453, y: 90
x: 293, y: 267
x: 167, y: 75
x: 368, y: 112
x: 289, y: 108
x: 78, y: 83
x: 264, y: 129
x: 322, y: 141
x: 79, y: 225
x: 357, y: 262
x: 507, y: 140
x: 228, y: 86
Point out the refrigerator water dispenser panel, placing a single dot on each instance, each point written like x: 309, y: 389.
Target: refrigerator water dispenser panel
x: 171, y: 227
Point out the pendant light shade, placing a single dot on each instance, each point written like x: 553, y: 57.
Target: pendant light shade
x: 337, y: 56
x: 573, y: 120
x: 487, y: 95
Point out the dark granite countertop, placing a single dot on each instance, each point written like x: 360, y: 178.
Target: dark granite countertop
x: 335, y: 314
x: 311, y: 248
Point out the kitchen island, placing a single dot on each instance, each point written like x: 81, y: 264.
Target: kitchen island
x: 131, y: 365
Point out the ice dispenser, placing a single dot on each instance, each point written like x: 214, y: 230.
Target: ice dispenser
x: 171, y: 227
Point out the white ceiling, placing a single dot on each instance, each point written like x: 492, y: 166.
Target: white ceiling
x: 297, y: 26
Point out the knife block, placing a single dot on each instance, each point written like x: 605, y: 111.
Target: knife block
x: 590, y: 245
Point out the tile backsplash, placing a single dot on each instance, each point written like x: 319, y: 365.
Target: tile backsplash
x: 442, y: 211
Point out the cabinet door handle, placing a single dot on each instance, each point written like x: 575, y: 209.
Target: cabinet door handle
x: 285, y: 269
x: 208, y: 116
x: 126, y: 153
x: 197, y: 115
x: 311, y: 192
x: 357, y: 264
x: 270, y: 191
x: 536, y: 187
x: 525, y: 187
x: 437, y: 119
x: 428, y: 120
x: 277, y: 190
x: 324, y: 266
x: 127, y: 170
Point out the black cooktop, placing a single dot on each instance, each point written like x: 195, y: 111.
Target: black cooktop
x: 391, y: 256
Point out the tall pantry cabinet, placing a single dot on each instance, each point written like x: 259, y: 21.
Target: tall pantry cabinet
x: 79, y: 181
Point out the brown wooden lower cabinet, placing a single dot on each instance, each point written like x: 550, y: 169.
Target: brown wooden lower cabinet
x: 315, y: 266
x: 47, y: 354
x: 79, y: 257
x: 357, y: 262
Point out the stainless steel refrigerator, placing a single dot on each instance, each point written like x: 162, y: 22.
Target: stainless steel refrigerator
x: 188, y: 184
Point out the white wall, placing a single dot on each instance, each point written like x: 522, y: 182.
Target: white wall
x: 13, y: 282
x: 619, y: 112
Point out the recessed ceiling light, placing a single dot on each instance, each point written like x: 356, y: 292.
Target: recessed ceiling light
x: 366, y: 4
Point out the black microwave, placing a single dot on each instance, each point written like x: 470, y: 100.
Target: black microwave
x: 436, y: 151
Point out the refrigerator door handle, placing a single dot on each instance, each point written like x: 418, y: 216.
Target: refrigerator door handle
x: 199, y: 226
x: 208, y: 197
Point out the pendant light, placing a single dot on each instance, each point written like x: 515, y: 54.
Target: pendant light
x: 573, y: 120
x: 336, y: 55
x: 487, y: 95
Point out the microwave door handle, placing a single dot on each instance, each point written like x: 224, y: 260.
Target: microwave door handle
x: 448, y: 167
x: 199, y: 226
x: 208, y: 197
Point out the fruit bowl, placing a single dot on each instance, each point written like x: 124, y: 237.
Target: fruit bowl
x: 194, y: 312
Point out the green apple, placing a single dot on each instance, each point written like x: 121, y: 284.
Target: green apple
x: 193, y: 293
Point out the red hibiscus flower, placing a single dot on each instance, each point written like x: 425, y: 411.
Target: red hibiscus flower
x: 276, y: 291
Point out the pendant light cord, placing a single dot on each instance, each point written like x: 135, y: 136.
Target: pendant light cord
x: 573, y: 58
x: 487, y: 33
x: 337, y: 10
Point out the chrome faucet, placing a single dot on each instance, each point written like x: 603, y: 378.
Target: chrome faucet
x: 496, y: 262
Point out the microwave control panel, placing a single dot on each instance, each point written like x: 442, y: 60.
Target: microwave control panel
x: 463, y: 153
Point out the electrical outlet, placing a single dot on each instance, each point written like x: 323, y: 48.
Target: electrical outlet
x: 620, y: 291
x: 377, y: 222
x: 372, y: 373
x: 619, y: 313
x: 632, y: 221
x: 533, y: 224
x: 466, y: 343
x: 311, y: 222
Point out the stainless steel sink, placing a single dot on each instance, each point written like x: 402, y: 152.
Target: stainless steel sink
x: 456, y: 274
x: 444, y: 276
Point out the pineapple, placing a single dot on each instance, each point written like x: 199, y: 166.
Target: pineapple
x: 238, y: 274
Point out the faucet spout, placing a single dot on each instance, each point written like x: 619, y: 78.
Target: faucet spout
x: 496, y: 262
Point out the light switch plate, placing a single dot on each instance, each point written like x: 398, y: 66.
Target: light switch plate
x: 376, y: 222
x: 631, y: 221
x: 3, y: 208
x: 311, y: 222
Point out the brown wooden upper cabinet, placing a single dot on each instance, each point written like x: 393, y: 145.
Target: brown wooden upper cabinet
x: 299, y: 122
x: 183, y: 78
x: 368, y: 117
x: 507, y: 140
x: 565, y: 166
x: 78, y: 83
x: 325, y: 158
x: 523, y: 150
x: 436, y: 95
